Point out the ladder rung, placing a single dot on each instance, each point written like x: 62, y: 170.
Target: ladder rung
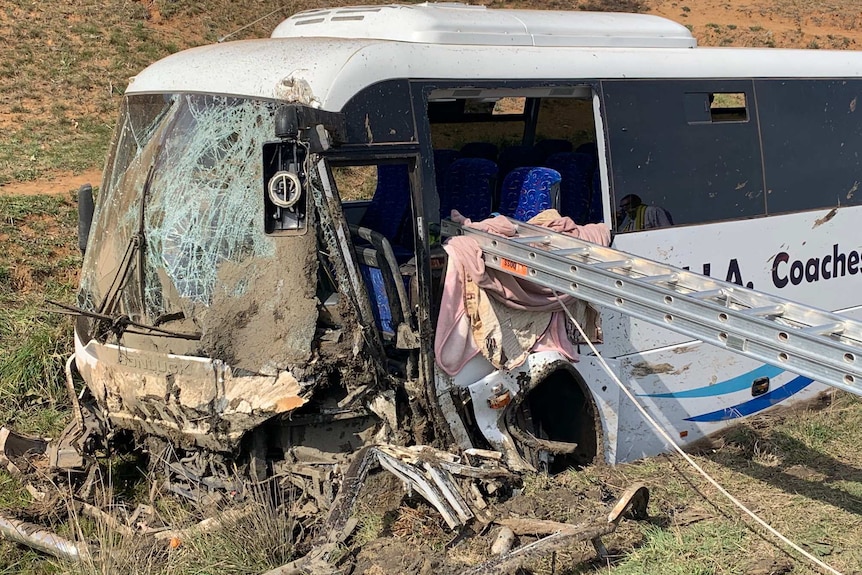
x: 825, y: 329
x: 625, y: 264
x: 532, y: 239
x: 709, y: 294
x: 664, y: 278
x: 765, y: 311
x: 566, y: 252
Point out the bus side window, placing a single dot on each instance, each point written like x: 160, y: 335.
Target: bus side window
x: 811, y: 142
x: 728, y: 107
x: 690, y: 147
x: 710, y: 107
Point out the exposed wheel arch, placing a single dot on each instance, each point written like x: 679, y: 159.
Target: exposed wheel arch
x: 554, y: 422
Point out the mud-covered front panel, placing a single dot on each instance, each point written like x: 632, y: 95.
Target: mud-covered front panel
x: 178, y: 239
x: 218, y: 324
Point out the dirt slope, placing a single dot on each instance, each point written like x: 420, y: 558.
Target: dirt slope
x: 831, y: 24
x: 63, y: 67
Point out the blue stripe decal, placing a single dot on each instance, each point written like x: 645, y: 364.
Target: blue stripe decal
x: 732, y: 385
x: 757, y: 404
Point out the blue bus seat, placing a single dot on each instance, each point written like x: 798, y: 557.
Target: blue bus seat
x: 551, y: 146
x: 576, y: 169
x: 470, y: 185
x: 513, y: 157
x: 484, y: 150
x: 390, y: 203
x: 539, y: 192
x: 510, y: 191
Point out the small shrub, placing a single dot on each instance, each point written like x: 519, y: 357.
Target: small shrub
x: 614, y: 6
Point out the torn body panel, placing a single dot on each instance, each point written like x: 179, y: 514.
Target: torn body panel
x: 198, y: 325
x: 198, y: 401
x: 516, y: 411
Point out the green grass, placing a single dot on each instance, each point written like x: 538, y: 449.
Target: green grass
x: 245, y: 543
x: 39, y: 261
x: 802, y: 473
x: 14, y: 559
x: 38, y: 148
x: 371, y: 526
x: 702, y: 549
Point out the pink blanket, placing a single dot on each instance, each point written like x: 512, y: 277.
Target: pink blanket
x: 454, y: 344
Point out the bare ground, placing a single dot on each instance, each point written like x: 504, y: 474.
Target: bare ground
x: 59, y: 184
x: 786, y: 463
x: 829, y: 24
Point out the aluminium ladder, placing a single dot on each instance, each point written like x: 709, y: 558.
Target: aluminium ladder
x: 824, y: 346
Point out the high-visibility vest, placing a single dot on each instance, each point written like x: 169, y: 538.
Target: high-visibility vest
x: 636, y: 223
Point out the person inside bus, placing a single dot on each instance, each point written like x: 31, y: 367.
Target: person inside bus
x: 634, y: 215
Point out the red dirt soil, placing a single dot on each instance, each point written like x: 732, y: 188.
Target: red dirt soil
x: 771, y: 23
x: 61, y: 184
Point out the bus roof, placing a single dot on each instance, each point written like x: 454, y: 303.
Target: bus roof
x: 329, y: 70
x: 454, y: 23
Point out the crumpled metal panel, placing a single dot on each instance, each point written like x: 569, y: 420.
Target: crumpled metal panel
x: 196, y: 401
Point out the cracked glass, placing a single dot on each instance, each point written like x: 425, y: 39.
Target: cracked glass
x: 181, y: 197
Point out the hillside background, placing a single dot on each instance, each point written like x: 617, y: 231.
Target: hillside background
x: 63, y: 69
x: 64, y: 65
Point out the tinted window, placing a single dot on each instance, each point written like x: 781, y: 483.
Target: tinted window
x: 671, y: 147
x: 380, y: 114
x: 812, y: 141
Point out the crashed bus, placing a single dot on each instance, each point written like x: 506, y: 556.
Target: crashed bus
x: 264, y: 282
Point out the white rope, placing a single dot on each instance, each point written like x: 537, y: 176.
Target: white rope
x: 235, y: 32
x: 827, y: 568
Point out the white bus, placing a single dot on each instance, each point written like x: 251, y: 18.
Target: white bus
x: 225, y: 313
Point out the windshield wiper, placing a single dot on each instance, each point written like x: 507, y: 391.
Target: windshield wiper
x: 142, y: 238
x: 119, y: 324
x: 136, y: 246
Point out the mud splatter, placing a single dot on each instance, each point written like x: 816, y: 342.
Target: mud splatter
x: 645, y: 368
x: 264, y: 312
x: 820, y: 221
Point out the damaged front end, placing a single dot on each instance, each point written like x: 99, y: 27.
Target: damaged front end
x: 225, y: 332
x: 209, y: 305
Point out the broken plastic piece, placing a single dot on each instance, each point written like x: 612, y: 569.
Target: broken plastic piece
x: 42, y: 540
x: 504, y: 541
x: 14, y: 446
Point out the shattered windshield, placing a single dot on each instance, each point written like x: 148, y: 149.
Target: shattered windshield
x: 178, y: 239
x: 201, y: 206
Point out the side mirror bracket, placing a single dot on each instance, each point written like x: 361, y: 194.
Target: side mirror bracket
x: 86, y: 207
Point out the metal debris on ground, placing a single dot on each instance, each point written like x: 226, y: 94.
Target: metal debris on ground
x: 42, y: 540
x: 322, y: 492
x: 17, y: 449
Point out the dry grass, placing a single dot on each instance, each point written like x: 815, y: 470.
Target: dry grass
x: 419, y: 525
x: 249, y: 537
x: 39, y: 261
x: 62, y: 74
